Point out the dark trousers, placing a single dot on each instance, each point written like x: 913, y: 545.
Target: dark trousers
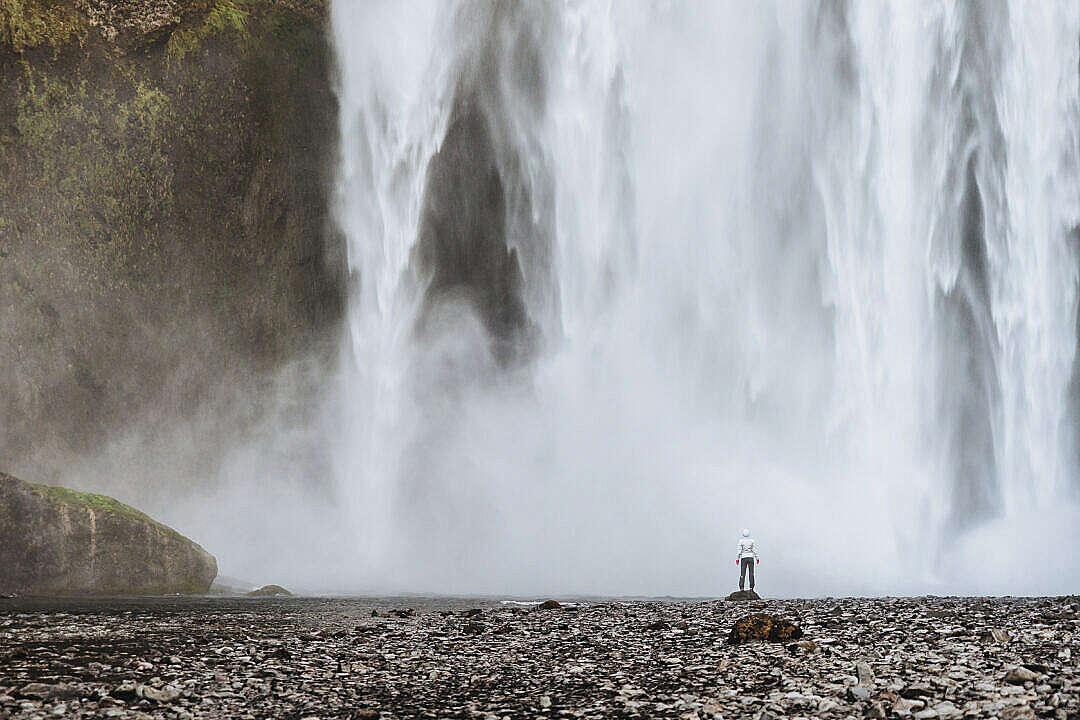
x: 746, y: 563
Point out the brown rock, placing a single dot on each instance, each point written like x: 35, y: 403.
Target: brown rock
x: 743, y: 596
x: 761, y: 626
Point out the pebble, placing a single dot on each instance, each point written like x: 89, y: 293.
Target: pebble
x: 182, y: 659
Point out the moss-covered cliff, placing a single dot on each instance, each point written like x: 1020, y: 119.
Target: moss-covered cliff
x: 55, y: 541
x: 164, y: 232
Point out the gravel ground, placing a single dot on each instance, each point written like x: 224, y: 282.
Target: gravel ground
x: 917, y: 658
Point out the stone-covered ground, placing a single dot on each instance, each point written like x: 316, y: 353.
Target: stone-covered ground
x: 296, y: 658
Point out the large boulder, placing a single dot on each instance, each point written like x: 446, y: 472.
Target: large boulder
x: 55, y: 541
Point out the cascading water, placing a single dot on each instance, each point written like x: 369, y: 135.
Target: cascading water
x: 631, y: 276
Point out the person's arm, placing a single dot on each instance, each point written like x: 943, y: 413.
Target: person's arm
x: 753, y: 548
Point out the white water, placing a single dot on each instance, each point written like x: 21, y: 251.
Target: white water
x: 742, y: 248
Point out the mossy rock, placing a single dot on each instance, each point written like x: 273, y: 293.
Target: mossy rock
x: 166, y: 237
x: 57, y: 541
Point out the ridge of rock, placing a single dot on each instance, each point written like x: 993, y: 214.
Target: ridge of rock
x: 57, y: 541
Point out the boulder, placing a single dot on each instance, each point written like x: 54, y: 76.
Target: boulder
x: 761, y: 626
x: 743, y: 596
x: 270, y: 591
x: 56, y: 541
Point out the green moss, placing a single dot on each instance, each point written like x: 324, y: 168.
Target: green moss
x: 226, y: 16
x: 101, y: 165
x: 98, y: 504
x: 26, y: 24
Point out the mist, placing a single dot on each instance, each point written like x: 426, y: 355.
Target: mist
x: 625, y: 278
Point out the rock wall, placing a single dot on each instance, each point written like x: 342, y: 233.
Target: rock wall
x: 164, y: 214
x: 54, y: 541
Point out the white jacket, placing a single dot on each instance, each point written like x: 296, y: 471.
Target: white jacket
x: 747, y: 548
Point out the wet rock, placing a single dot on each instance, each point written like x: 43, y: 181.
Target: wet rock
x: 904, y: 707
x: 743, y: 596
x: 270, y: 591
x: 55, y: 541
x: 45, y: 691
x: 761, y: 626
x: 163, y: 695
x: 876, y: 710
x: 806, y: 647
x: 305, y: 657
x: 1020, y: 675
x: 916, y: 690
x: 865, y: 674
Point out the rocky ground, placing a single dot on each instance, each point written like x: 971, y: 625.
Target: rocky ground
x: 917, y: 658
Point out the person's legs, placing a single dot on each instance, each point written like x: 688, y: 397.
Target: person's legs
x: 751, y: 563
x: 742, y: 573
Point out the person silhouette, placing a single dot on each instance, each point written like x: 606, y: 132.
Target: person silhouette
x: 746, y: 558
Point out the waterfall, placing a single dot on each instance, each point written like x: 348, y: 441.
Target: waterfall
x: 627, y: 277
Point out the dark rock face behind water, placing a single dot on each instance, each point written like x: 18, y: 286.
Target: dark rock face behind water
x: 164, y: 217
x: 55, y: 541
x: 915, y: 659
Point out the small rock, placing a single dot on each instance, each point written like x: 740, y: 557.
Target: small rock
x: 858, y: 693
x: 865, y: 674
x: 43, y: 691
x: 1000, y: 635
x: 947, y: 710
x: 1020, y: 675
x: 162, y: 696
x: 904, y: 707
x: 916, y: 690
x: 545, y: 701
x: 806, y: 647
x: 876, y: 710
x: 549, y: 605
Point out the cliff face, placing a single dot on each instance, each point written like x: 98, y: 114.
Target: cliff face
x: 164, y: 231
x: 57, y: 541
